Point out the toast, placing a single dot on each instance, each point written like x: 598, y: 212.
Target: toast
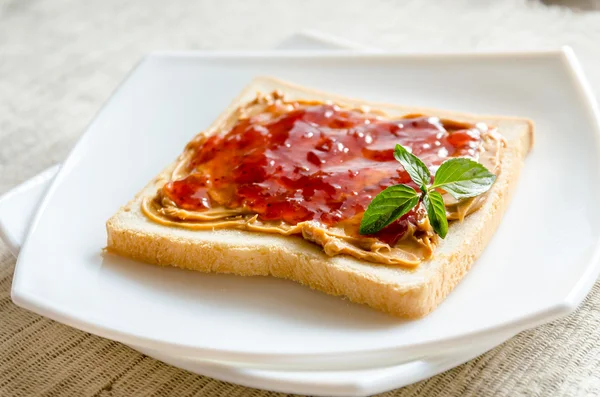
x: 408, y: 293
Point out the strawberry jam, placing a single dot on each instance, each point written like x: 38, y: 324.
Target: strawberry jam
x: 314, y: 162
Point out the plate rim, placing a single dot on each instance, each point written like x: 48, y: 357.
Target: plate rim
x: 30, y: 301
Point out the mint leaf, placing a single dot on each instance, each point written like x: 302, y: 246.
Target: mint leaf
x: 436, y: 211
x: 418, y: 171
x: 387, y: 206
x: 463, y: 178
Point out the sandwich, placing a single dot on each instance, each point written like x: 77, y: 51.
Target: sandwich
x: 386, y: 205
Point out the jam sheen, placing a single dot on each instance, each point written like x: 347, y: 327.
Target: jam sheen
x: 315, y: 162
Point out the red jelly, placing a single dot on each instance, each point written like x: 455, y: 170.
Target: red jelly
x: 314, y: 162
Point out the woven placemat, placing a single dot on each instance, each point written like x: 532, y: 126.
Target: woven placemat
x: 61, y: 59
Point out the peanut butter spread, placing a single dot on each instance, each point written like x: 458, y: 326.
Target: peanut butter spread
x: 310, y: 169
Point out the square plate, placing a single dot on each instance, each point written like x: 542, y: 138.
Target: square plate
x: 18, y: 207
x: 521, y: 280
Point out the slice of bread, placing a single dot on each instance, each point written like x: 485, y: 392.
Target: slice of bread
x: 396, y: 290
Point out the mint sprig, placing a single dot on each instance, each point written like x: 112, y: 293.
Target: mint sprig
x: 461, y: 177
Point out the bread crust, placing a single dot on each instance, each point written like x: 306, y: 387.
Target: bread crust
x: 395, y: 290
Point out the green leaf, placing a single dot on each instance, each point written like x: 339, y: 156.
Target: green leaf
x: 418, y: 171
x: 436, y: 211
x: 463, y: 178
x: 388, y: 206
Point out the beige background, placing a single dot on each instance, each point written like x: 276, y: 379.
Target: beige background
x: 61, y: 59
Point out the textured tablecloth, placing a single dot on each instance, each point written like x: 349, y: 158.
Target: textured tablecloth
x: 61, y: 59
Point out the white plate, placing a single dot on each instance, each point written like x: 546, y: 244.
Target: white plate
x: 18, y: 206
x: 520, y: 281
x: 360, y: 382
